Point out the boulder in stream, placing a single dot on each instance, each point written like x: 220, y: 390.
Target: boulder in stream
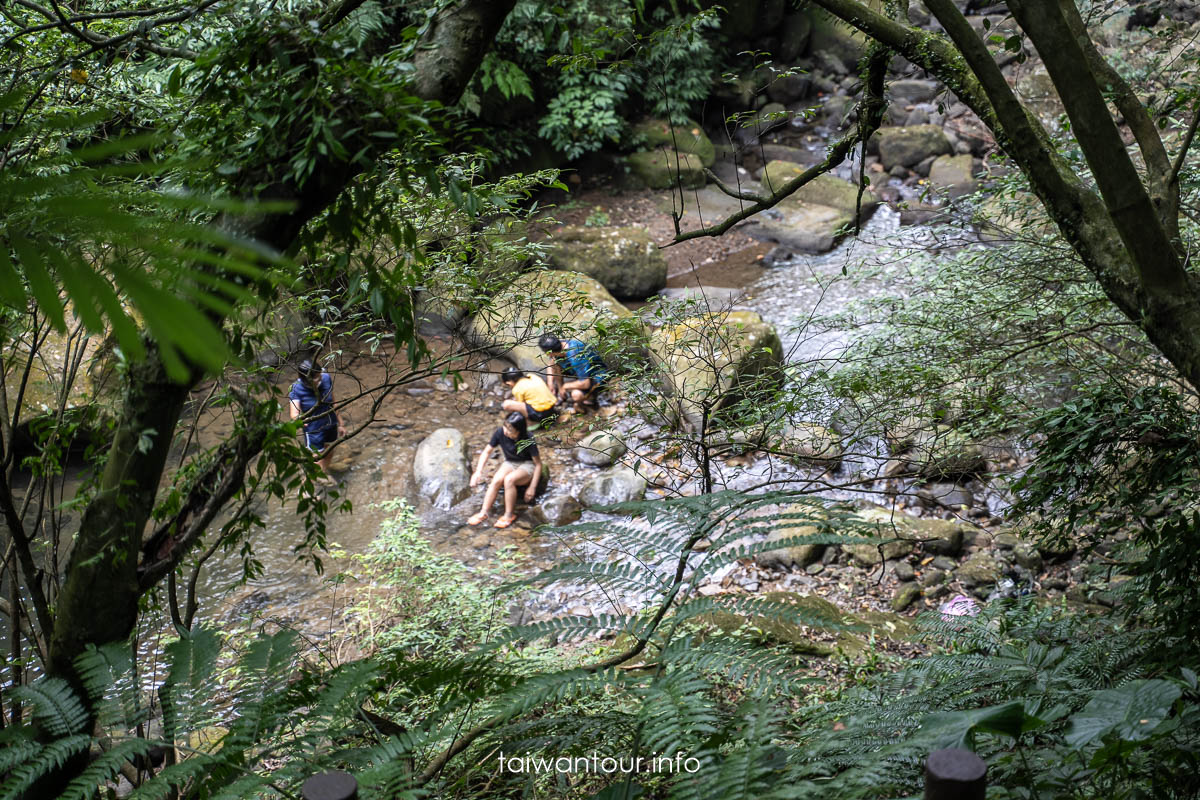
x: 813, y: 218
x: 545, y: 300
x: 625, y: 261
x: 441, y: 474
x: 600, y: 449
x: 909, y: 146
x: 663, y: 169
x: 688, y: 138
x: 615, y: 485
x: 954, y: 174
x: 709, y: 362
x: 812, y: 445
x: 561, y: 509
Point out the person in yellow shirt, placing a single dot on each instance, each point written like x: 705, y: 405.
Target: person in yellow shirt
x: 532, y: 398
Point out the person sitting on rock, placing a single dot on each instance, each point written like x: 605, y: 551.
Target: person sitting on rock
x: 576, y: 371
x: 532, y: 398
x: 311, y: 398
x: 522, y: 467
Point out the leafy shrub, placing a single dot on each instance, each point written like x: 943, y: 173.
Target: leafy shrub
x: 1115, y: 462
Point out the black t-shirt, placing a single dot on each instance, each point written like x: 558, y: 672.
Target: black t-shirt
x: 514, y: 449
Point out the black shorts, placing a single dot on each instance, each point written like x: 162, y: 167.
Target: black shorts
x: 537, y: 416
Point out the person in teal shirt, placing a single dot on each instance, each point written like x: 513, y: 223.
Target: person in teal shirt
x: 576, y: 371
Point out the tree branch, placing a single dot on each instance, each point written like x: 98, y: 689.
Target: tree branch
x: 1151, y: 250
x: 837, y: 154
x: 1173, y: 178
x: 1165, y: 198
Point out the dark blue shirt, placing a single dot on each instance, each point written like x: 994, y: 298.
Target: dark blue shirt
x: 305, y: 397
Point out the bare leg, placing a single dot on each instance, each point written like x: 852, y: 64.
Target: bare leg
x: 489, y: 497
x: 515, y: 405
x: 512, y: 483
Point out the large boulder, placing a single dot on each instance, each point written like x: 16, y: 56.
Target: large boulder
x: 896, y: 529
x: 910, y: 91
x: 823, y: 190
x: 909, y: 146
x: 835, y: 38
x: 937, y: 536
x: 626, y: 261
x: 441, y: 473
x: 955, y: 174
x: 1037, y: 91
x: 600, y: 449
x: 662, y: 169
x: 561, y: 509
x: 813, y: 218
x: 709, y: 362
x: 943, y: 453
x: 539, y: 301
x: 689, y: 138
x: 812, y: 445
x: 615, y: 485
x: 796, y: 555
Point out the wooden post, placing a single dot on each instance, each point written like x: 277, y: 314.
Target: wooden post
x: 330, y: 786
x: 955, y: 775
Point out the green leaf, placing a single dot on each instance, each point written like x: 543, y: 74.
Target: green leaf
x: 958, y: 728
x: 1130, y: 712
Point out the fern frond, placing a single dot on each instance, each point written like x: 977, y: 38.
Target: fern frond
x: 193, y: 658
x: 107, y: 676
x: 49, y: 758
x: 57, y: 710
x: 83, y: 787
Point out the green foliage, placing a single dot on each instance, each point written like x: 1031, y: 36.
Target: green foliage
x: 79, y: 238
x: 1115, y: 460
x: 583, y: 116
x: 1055, y: 703
x: 418, y: 603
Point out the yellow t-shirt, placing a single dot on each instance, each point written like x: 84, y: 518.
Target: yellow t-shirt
x: 533, y: 390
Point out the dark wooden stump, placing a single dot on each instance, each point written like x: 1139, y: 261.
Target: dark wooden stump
x: 955, y: 775
x: 330, y: 786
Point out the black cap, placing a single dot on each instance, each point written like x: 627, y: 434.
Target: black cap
x: 308, y: 369
x: 511, y: 375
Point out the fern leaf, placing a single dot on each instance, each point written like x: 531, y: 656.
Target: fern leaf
x: 57, y: 710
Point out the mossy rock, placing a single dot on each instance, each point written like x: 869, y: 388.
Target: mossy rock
x: 689, y: 138
x: 716, y: 360
x: 851, y: 631
x: 823, y: 190
x: 908, y: 146
x: 812, y: 445
x: 566, y: 303
x: 626, y: 261
x: 660, y: 169
x: 978, y: 570
x: 955, y: 174
x: 800, y: 555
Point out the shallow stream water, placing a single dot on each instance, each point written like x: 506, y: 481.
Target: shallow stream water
x: 791, y: 296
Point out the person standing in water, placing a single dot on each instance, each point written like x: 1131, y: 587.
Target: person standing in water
x: 311, y: 398
x: 532, y: 398
x: 522, y: 467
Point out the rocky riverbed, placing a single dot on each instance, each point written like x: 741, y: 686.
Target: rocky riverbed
x: 772, y: 275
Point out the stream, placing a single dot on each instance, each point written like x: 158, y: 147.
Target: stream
x: 788, y: 295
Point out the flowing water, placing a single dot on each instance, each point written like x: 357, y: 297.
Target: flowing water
x: 792, y: 296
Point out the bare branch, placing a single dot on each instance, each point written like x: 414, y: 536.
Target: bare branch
x: 837, y: 154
